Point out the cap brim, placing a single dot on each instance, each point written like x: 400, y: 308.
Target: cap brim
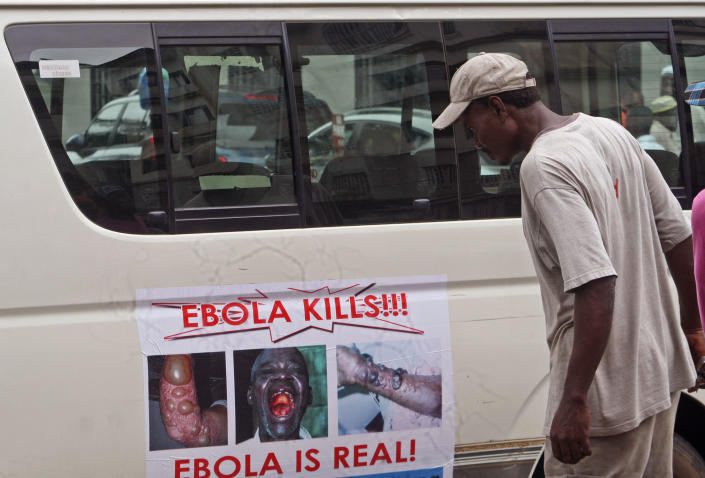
x: 695, y: 94
x: 450, y: 114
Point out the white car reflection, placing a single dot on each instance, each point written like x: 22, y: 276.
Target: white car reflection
x: 377, y: 131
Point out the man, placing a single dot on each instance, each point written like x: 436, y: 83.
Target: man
x: 279, y: 394
x: 665, y: 126
x: 697, y: 115
x: 638, y: 123
x: 603, y: 229
x: 630, y: 99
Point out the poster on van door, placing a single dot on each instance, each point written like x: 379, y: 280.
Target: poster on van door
x: 298, y: 379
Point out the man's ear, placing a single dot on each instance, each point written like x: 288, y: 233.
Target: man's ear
x: 496, y: 106
x: 310, y: 396
x: 250, y: 396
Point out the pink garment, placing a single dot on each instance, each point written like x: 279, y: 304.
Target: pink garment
x: 698, y: 225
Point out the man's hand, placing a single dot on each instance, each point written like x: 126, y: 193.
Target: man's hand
x: 696, y: 343
x: 352, y: 368
x: 570, y: 441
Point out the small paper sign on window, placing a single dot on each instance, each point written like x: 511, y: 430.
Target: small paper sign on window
x: 59, y: 69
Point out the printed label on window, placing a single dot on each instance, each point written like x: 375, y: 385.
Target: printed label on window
x: 59, y: 69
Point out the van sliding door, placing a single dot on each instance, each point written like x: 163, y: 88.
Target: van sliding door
x: 370, y: 91
x: 231, y: 157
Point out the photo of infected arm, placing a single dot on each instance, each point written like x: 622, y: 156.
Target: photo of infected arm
x: 419, y: 393
x: 183, y: 419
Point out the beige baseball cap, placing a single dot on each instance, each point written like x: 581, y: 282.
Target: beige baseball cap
x: 483, y: 75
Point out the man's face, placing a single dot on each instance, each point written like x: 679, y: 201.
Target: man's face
x: 279, y: 393
x: 492, y: 130
x: 669, y: 119
x: 667, y: 85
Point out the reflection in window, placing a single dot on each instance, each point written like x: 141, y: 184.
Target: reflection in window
x: 690, y: 41
x: 487, y: 188
x: 228, y: 105
x: 97, y: 118
x: 630, y: 82
x: 367, y: 90
x: 695, y: 71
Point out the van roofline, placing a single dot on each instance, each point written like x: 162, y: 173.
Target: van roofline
x: 173, y: 4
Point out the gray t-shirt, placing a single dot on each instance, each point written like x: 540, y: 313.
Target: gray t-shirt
x: 594, y: 205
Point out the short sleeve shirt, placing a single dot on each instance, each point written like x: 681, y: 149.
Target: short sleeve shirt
x: 595, y: 205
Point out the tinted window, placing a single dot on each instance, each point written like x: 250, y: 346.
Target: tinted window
x: 91, y: 114
x: 631, y: 83
x: 368, y: 93
x: 228, y: 105
x: 690, y: 40
x: 489, y: 189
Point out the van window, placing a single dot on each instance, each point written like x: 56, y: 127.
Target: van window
x: 630, y: 82
x: 690, y: 43
x: 360, y: 98
x: 92, y: 117
x: 228, y: 105
x: 372, y: 152
x: 488, y: 189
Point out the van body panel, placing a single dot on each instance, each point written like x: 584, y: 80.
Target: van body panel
x: 70, y: 360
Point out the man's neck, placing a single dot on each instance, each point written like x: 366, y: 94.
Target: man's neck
x: 265, y: 437
x: 535, y: 119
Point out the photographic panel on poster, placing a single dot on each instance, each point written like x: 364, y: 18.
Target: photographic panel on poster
x: 280, y: 393
x: 401, y: 390
x: 187, y: 394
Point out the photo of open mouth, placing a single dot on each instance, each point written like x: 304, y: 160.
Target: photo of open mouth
x: 281, y: 403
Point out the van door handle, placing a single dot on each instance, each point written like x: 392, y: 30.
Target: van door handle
x: 157, y: 218
x: 175, y: 142
x: 422, y: 204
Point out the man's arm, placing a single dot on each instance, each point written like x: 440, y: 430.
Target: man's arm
x: 420, y: 393
x: 680, y: 263
x: 592, y: 321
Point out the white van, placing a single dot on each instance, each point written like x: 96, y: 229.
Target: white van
x: 84, y: 229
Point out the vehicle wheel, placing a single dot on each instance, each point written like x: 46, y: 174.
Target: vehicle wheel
x: 687, y: 462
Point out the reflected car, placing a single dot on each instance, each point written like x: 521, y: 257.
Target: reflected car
x: 377, y: 131
x: 368, y: 132
x: 116, y: 132
x: 121, y: 129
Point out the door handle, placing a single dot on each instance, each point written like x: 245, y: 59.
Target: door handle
x: 175, y: 142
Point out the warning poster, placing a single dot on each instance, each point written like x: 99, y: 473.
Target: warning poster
x: 318, y: 378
